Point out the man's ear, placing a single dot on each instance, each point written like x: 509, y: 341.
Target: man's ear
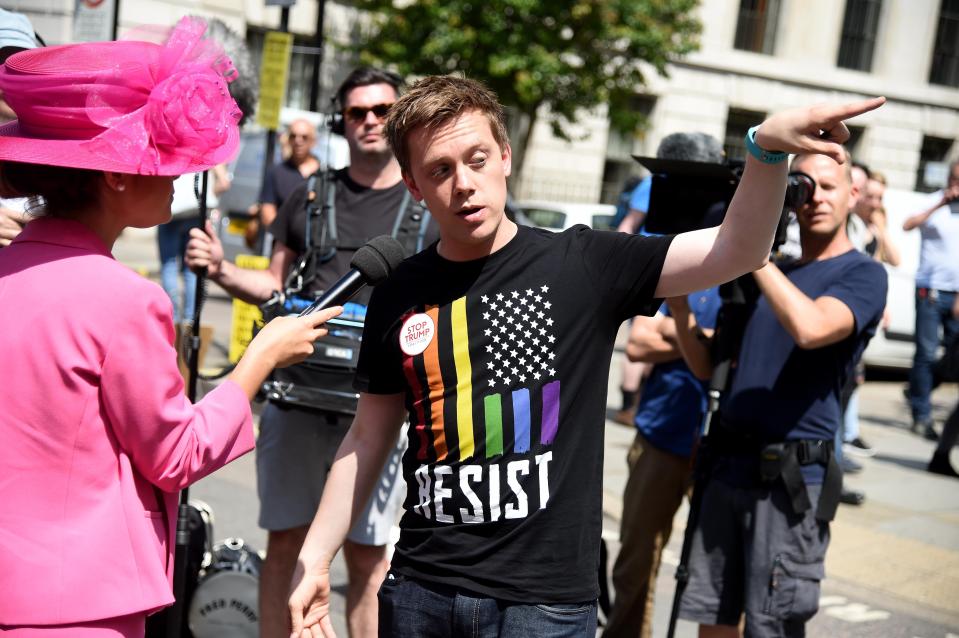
x: 411, y: 186
x: 854, y: 194
x: 507, y: 156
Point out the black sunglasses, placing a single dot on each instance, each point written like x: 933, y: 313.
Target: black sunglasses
x: 358, y: 113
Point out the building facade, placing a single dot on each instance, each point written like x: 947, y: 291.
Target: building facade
x: 756, y: 57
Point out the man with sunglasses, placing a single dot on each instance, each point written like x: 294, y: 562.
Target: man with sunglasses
x: 773, y: 482
x: 296, y: 445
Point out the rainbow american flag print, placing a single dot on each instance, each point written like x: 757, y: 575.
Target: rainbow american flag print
x: 485, y: 385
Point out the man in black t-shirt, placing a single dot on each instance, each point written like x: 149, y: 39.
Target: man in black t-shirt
x: 284, y: 178
x: 296, y: 444
x: 773, y: 482
x: 496, y: 343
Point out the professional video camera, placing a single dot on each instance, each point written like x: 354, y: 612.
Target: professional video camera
x: 324, y: 380
x: 692, y: 195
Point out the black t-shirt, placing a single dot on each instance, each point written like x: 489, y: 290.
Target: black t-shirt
x: 282, y: 180
x: 361, y: 213
x: 504, y: 364
x: 783, y: 392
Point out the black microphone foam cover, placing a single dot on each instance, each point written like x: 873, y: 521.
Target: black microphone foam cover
x: 377, y: 260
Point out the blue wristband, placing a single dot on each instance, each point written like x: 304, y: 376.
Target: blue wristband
x: 764, y: 156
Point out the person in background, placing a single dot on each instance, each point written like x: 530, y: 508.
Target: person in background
x: 97, y: 434
x: 937, y: 283
x: 292, y: 172
x: 869, y: 233
x: 690, y: 147
x: 668, y: 422
x: 773, y: 483
x: 939, y: 463
x: 172, y: 238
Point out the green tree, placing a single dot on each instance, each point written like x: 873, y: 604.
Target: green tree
x: 566, y: 55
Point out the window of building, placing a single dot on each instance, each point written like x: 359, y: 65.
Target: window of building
x: 756, y: 25
x: 738, y: 121
x: 935, y: 150
x: 859, y: 31
x: 945, y: 53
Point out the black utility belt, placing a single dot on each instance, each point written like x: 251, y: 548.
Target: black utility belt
x: 783, y: 460
x: 773, y: 456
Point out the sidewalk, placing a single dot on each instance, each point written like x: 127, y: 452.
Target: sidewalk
x: 137, y: 248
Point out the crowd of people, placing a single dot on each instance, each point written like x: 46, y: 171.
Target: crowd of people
x: 480, y: 373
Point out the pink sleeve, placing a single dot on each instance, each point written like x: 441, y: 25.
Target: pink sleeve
x: 171, y: 442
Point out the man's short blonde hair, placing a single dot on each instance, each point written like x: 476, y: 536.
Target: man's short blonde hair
x: 847, y: 165
x: 437, y: 100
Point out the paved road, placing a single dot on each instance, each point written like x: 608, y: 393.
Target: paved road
x: 893, y: 564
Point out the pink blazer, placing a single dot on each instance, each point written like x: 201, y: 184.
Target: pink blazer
x: 92, y: 417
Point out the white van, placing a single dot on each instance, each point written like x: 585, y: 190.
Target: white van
x: 558, y: 216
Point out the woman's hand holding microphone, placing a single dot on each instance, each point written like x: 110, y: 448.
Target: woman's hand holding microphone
x: 282, y: 342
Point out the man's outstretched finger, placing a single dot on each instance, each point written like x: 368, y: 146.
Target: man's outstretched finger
x: 841, y: 112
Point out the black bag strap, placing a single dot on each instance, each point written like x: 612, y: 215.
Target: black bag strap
x: 807, y: 452
x: 792, y: 477
x: 409, y: 228
x: 831, y: 491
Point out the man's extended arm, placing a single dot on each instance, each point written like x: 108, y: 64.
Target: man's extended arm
x: 652, y: 340
x: 358, y: 463
x: 887, y: 252
x: 632, y: 222
x: 204, y: 250
x: 812, y: 323
x: 920, y: 218
x: 692, y: 340
x: 704, y: 258
x: 267, y: 213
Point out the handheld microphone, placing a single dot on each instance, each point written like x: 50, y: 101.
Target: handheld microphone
x: 372, y: 264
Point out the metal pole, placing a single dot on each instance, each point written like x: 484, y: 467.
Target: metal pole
x: 116, y: 20
x: 177, y: 615
x: 318, y: 60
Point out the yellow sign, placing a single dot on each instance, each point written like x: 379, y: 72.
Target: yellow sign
x: 245, y: 315
x: 274, y: 70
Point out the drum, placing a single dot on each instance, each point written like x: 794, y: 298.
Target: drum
x: 225, y: 601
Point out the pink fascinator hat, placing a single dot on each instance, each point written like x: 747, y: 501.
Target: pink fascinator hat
x: 125, y: 106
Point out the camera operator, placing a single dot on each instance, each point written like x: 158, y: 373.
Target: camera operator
x: 773, y: 483
x: 297, y: 444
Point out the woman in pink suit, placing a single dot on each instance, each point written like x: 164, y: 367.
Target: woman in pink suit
x: 97, y: 436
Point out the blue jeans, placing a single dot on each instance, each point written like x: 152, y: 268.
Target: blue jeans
x: 409, y: 607
x: 172, y: 238
x: 933, y: 309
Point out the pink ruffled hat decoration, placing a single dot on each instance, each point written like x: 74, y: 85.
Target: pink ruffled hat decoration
x: 125, y: 106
